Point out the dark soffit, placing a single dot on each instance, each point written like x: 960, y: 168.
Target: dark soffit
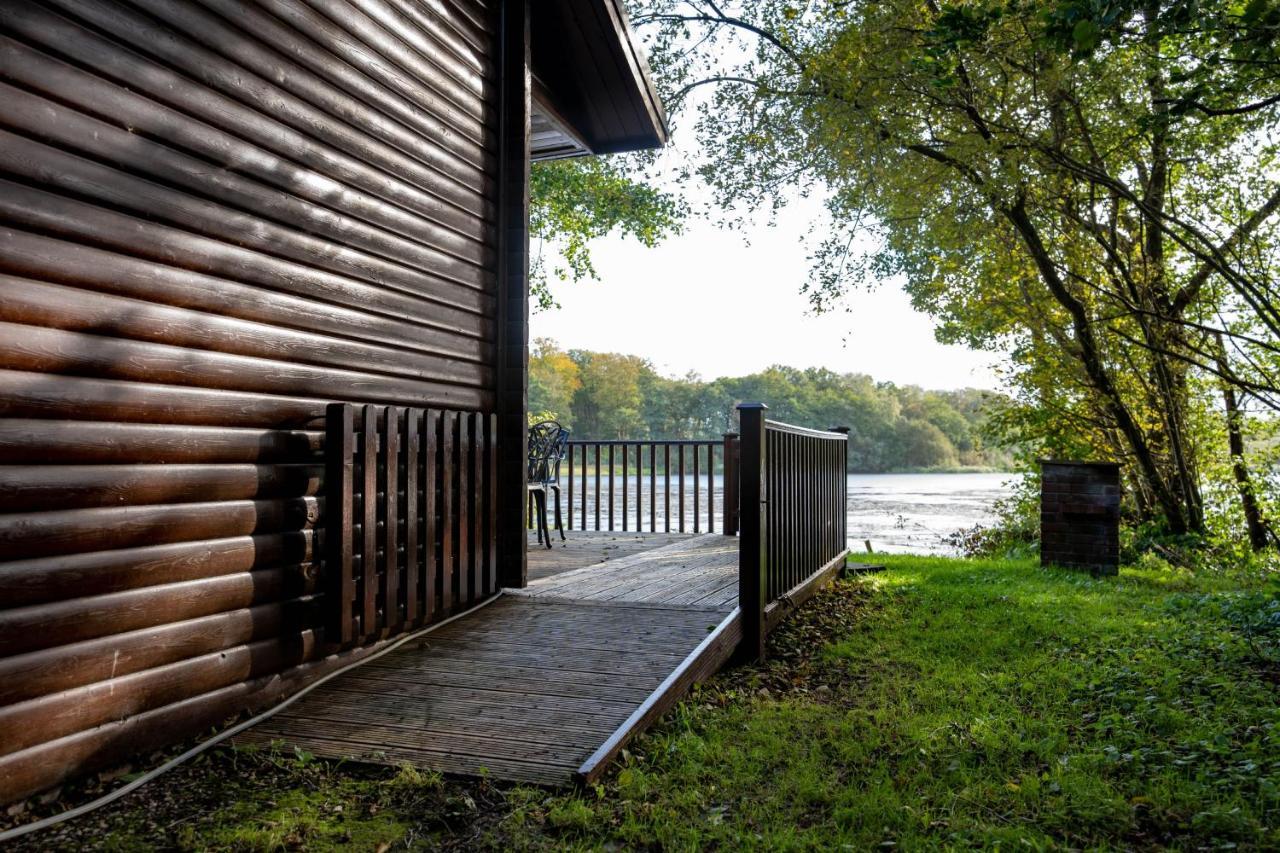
x: 593, y: 77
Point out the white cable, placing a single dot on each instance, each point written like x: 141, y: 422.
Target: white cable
x: 105, y: 799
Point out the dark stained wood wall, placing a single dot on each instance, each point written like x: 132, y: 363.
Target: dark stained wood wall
x: 216, y: 217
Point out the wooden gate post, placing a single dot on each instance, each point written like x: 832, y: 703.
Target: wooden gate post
x: 752, y: 529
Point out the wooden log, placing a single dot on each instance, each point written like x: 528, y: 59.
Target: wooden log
x: 32, y: 302
x: 321, y: 78
x: 47, y: 534
x: 58, y: 668
x: 84, y: 267
x: 459, y: 103
x: 314, y: 175
x: 30, y: 488
x: 38, y: 395
x: 41, y: 626
x: 475, y: 21
x: 47, y: 579
x: 28, y: 771
x: 450, y: 27
x: 43, y: 350
x: 346, y: 245
x: 222, y: 84
x: 278, y: 24
x: 427, y: 47
x: 47, y: 718
x: 35, y: 209
x: 45, y: 442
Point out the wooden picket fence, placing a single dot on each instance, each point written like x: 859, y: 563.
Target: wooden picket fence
x: 410, y: 523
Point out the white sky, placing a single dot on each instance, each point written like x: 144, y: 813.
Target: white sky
x: 708, y: 302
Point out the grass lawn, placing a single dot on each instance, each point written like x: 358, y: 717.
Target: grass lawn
x: 941, y: 703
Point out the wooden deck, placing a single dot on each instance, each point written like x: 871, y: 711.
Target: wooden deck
x: 590, y: 548
x: 545, y: 684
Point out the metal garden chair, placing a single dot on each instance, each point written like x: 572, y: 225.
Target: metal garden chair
x: 548, y: 442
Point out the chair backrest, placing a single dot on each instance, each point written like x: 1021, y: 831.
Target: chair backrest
x: 548, y: 442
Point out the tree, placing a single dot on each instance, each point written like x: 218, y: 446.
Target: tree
x: 1063, y: 205
x: 554, y: 378
x: 573, y: 202
x: 608, y: 405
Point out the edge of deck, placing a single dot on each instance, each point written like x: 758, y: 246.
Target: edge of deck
x: 704, y: 661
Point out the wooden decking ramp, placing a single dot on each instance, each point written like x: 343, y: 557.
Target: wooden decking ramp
x: 545, y: 684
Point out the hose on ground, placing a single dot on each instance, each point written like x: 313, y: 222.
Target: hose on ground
x: 126, y: 790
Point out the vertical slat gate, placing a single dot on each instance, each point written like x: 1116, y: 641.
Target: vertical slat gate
x: 410, y: 530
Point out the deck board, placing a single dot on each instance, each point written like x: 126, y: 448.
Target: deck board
x: 545, y: 681
x: 590, y: 547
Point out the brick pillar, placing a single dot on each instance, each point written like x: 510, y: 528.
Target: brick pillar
x: 1080, y: 515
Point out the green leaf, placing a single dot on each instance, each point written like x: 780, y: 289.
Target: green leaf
x: 1086, y: 35
x: 1253, y: 11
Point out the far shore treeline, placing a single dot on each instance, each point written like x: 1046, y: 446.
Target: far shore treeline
x: 892, y: 428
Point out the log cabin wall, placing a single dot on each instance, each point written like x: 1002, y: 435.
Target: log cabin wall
x: 216, y: 218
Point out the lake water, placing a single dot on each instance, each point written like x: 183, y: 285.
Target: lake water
x: 899, y: 513
x: 911, y: 513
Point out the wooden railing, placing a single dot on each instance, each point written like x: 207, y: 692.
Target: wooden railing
x: 794, y: 490
x: 651, y: 485
x: 410, y: 526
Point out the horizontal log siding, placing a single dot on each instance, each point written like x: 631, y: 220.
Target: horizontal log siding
x: 216, y: 218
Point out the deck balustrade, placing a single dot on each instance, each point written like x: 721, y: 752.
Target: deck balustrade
x: 654, y: 486
x: 793, y: 494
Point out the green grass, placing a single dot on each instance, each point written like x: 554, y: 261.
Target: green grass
x: 979, y: 704
x: 939, y: 704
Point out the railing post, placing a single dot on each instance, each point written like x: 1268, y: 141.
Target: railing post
x: 842, y: 519
x: 752, y: 529
x: 729, y: 493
